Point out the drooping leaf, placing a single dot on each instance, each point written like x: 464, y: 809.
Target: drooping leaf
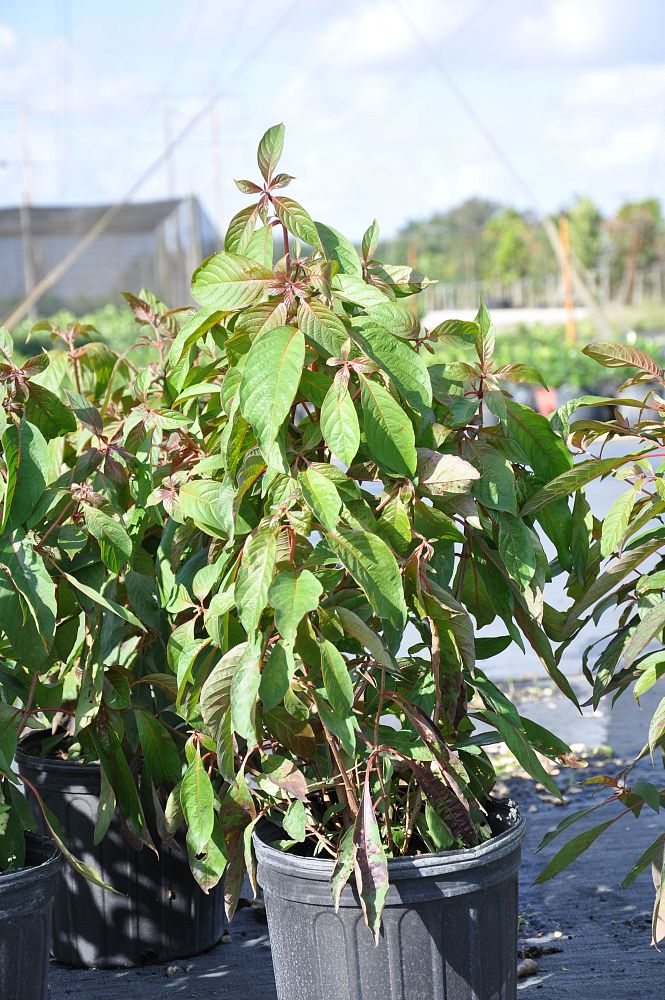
x: 26, y: 458
x: 257, y: 566
x: 159, y: 750
x: 293, y: 595
x: 373, y: 566
x: 197, y: 801
x: 572, y: 850
x: 517, y: 550
x: 114, y: 542
x: 270, y: 381
x: 616, y: 521
x: 336, y: 679
x: 388, y: 430
x: 48, y: 413
x: 370, y: 862
x: 398, y: 359
x: 321, y: 497
x: 339, y: 423
x: 244, y: 691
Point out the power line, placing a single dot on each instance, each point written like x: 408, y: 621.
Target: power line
x: 61, y: 268
x: 550, y: 230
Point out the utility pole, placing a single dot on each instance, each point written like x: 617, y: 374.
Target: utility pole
x: 25, y: 221
x: 567, y: 274
x: 169, y: 164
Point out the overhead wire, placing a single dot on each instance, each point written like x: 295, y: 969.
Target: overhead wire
x: 550, y: 229
x: 89, y: 237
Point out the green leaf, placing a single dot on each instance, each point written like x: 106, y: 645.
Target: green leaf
x: 363, y: 634
x: 572, y: 850
x: 209, y: 504
x: 159, y: 750
x: 456, y: 332
x: 440, y: 474
x: 570, y: 481
x: 114, y: 543
x: 26, y: 573
x: 270, y: 150
x: 193, y: 330
x: 321, y: 497
x: 495, y: 488
x: 607, y: 581
x: 398, y: 359
x: 88, y: 873
x: 254, y: 577
x: 215, y: 697
x: 339, y: 422
x: 516, y: 740
x: 373, y: 566
x: 277, y: 675
x: 517, y: 549
x: 294, y: 821
x: 197, y: 801
x: 357, y: 291
x: 208, y: 866
x: 617, y: 520
x: 370, y: 240
x: 657, y: 727
x: 244, y: 692
x: 26, y: 460
x: 104, y: 602
x: 293, y: 595
x: 45, y: 411
x: 544, y: 450
x: 337, y: 248
x: 112, y: 759
x: 322, y: 327
x: 240, y: 232
x: 228, y: 281
x: 388, y: 430
x: 294, y: 218
x: 270, y: 381
x: 336, y: 679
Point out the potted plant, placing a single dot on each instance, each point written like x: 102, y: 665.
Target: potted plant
x: 86, y: 627
x: 364, y: 524
x: 618, y: 575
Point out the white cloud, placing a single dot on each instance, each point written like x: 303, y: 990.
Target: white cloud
x: 571, y: 28
x: 7, y: 39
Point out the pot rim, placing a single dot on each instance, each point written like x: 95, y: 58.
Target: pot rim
x: 30, y: 874
x: 413, y: 866
x: 50, y: 763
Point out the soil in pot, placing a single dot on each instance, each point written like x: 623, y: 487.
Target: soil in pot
x: 161, y: 914
x: 26, y: 906
x: 449, y: 928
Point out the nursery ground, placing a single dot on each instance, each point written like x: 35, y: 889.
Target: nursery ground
x: 589, y: 938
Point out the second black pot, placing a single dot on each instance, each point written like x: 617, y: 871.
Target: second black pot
x: 26, y: 905
x: 162, y: 913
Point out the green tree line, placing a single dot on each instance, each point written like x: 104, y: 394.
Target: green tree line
x: 484, y: 240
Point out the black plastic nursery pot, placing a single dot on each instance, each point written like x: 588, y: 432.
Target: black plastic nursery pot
x: 26, y: 906
x: 160, y: 914
x: 449, y: 928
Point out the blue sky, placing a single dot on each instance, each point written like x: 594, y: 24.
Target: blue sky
x: 573, y: 90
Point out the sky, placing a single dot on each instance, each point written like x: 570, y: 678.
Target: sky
x: 394, y: 109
